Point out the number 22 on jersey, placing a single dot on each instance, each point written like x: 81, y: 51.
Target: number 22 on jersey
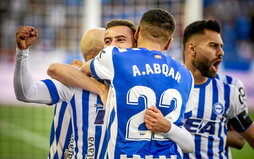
x: 168, y: 99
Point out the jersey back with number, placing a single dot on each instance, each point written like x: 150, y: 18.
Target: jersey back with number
x: 141, y: 78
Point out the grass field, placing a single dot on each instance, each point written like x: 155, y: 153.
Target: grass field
x: 24, y: 133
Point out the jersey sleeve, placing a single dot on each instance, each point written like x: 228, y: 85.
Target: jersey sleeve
x: 236, y: 105
x: 102, y: 65
x: 29, y: 90
x: 242, y: 93
x: 58, y: 91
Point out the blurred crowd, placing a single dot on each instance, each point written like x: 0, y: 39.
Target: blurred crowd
x: 60, y: 26
x: 237, y: 20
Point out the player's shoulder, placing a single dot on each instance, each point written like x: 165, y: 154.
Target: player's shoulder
x: 227, y: 79
x: 230, y: 88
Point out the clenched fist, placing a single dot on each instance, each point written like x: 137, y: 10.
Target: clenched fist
x: 26, y: 36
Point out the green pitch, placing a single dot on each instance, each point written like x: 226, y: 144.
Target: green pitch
x: 24, y: 133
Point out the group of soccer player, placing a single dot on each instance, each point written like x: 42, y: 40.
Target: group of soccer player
x: 129, y: 100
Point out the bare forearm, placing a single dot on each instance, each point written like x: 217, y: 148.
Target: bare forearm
x: 234, y: 139
x: 249, y: 135
x: 69, y: 75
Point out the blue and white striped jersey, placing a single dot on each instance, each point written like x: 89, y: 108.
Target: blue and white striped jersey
x: 141, y: 78
x: 239, y: 85
x: 86, y: 114
x: 213, y: 102
x: 61, y: 132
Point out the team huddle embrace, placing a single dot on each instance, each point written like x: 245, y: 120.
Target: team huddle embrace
x: 129, y: 100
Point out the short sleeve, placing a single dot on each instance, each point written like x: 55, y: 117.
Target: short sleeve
x: 236, y: 105
x: 102, y: 65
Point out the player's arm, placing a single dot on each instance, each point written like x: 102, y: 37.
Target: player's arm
x: 26, y: 89
x: 69, y: 75
x: 100, y: 67
x: 243, y: 124
x: 156, y: 122
x: 239, y: 117
x: 234, y: 139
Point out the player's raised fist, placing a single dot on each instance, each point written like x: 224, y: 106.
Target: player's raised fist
x: 26, y: 36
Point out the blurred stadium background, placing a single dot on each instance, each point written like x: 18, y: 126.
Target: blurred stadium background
x: 24, y: 128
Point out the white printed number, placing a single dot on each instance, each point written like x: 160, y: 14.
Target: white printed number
x: 169, y: 98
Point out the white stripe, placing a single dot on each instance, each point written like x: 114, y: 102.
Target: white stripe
x: 78, y: 96
x: 63, y: 132
x: 20, y: 133
x: 91, y: 125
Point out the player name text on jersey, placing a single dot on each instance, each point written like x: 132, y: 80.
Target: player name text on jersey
x: 156, y: 69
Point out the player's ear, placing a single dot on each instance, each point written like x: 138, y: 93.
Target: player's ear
x: 191, y: 48
x: 168, y: 44
x: 137, y: 33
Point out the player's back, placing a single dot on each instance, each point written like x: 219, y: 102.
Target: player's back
x: 83, y: 108
x: 143, y: 78
x: 61, y: 132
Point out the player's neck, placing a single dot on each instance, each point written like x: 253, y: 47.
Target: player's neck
x: 150, y: 45
x: 198, y: 77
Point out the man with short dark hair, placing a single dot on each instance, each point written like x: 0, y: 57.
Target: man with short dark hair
x: 214, y: 102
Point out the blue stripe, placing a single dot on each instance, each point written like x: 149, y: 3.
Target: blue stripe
x: 197, y: 146
x: 73, y: 105
x: 200, y: 114
x: 60, y: 120
x: 56, y: 156
x: 52, y: 90
x: 107, y: 135
x: 217, y: 76
x: 201, y: 103
x: 226, y: 99
x: 186, y: 155
x: 187, y: 115
x: 98, y: 130
x: 52, y: 131
x: 67, y: 139
x: 215, y: 96
x: 227, y: 93
x: 210, y: 147
x: 229, y: 79
x: 85, y: 116
x: 93, y: 69
x: 226, y: 153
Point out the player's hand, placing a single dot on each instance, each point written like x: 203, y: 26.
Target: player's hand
x: 26, y: 36
x: 76, y: 63
x: 104, y: 90
x: 155, y: 121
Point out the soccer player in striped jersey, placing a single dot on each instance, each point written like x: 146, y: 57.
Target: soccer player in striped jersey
x: 86, y: 133
x: 140, y: 78
x: 214, y: 103
x: 61, y: 138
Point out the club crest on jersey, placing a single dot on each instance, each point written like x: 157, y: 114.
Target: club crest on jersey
x: 157, y: 56
x: 218, y: 109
